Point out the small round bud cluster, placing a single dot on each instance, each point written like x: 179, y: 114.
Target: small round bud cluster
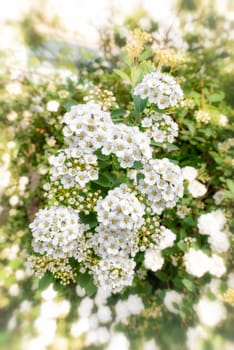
x: 182, y: 211
x: 189, y: 240
x: 187, y: 103
x: 162, y: 184
x: 202, y: 116
x: 228, y: 296
x: 136, y: 42
x: 59, y: 267
x: 73, y: 169
x: 80, y: 200
x: 147, y: 230
x: 160, y: 127
x: 160, y: 89
x: 57, y: 232
x: 226, y: 145
x: 169, y: 57
x: 104, y: 98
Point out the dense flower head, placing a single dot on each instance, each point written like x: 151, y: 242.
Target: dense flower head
x: 213, y: 225
x: 120, y: 210
x: 114, y: 273
x: 160, y: 127
x: 122, y: 242
x: 197, y: 263
x: 153, y: 259
x: 86, y: 126
x: 73, y: 168
x: 162, y: 184
x: 128, y: 143
x: 160, y: 89
x: 56, y: 232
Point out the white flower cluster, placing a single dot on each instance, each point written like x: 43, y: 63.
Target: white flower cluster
x: 198, y: 263
x: 195, y: 187
x: 160, y: 89
x: 89, y: 128
x: 114, y: 272
x: 72, y: 168
x: 210, y: 312
x: 160, y: 127
x: 162, y: 184
x: 120, y: 209
x: 126, y: 308
x: 213, y: 225
x: 129, y: 144
x: 172, y: 301
x: 57, y: 231
x: 163, y: 239
x: 153, y: 259
x: 120, y: 215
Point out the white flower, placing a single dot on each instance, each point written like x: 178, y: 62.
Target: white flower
x: 14, y: 88
x: 195, y: 337
x: 218, y: 197
x: 197, y: 189
x: 150, y: 345
x: 196, y: 262
x: 230, y: 280
x: 153, y: 260
x: 135, y: 304
x: 223, y: 120
x: 49, y: 293
x: 217, y: 267
x: 80, y: 291
x: 189, y: 173
x: 104, y: 314
x: 118, y: 341
x: 160, y: 88
x: 52, y: 106
x: 162, y: 184
x: 211, y: 222
x: 14, y: 290
x: 210, y: 312
x: 56, y: 231
x: 219, y: 242
x: 160, y: 127
x: 97, y: 336
x: 14, y: 200
x: 85, y: 307
x: 80, y: 327
x: 171, y: 299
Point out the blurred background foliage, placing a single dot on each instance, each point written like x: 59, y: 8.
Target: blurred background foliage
x: 60, y: 69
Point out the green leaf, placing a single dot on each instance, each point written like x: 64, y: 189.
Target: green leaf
x: 136, y: 75
x: 90, y: 219
x: 172, y: 147
x: 139, y: 105
x: 118, y: 113
x: 182, y: 246
x: 122, y: 75
x: 230, y: 185
x: 189, y: 285
x: 103, y: 181
x: 86, y: 281
x: 45, y: 281
x: 145, y: 55
x: 217, y: 97
x: 162, y: 276
x: 137, y: 165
